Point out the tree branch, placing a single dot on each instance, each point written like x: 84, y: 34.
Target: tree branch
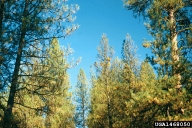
x: 182, y: 30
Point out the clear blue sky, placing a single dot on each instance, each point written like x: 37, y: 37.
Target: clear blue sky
x: 102, y: 16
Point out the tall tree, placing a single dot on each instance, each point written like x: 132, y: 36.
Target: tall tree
x: 44, y: 95
x: 169, y: 22
x: 30, y: 22
x: 131, y: 63
x: 140, y: 107
x: 119, y: 92
x: 129, y: 78
x: 112, y: 85
x: 101, y: 92
x: 58, y: 107
x: 82, y: 100
x: 7, y: 47
x: 129, y: 56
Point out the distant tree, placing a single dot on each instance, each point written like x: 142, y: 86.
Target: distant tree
x: 82, y: 100
x: 129, y: 56
x: 119, y: 93
x: 101, y: 101
x: 146, y: 73
x: 139, y: 107
x: 129, y: 81
x: 130, y: 60
x: 112, y: 85
x: 59, y: 110
x: 58, y: 106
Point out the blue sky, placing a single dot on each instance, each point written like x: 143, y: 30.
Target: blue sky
x: 96, y: 17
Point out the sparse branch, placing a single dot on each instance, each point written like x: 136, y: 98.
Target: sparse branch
x: 37, y: 109
x: 180, y: 31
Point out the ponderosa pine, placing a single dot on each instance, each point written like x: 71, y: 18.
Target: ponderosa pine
x: 29, y: 22
x: 169, y: 22
x: 81, y: 100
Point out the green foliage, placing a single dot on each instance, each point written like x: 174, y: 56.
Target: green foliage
x: 139, y: 107
x: 82, y: 100
x: 25, y: 28
x: 112, y: 86
x: 58, y: 107
x: 34, y: 83
x: 126, y: 94
x: 129, y: 54
x: 146, y: 73
x: 43, y: 99
x: 169, y: 23
x: 167, y: 97
x: 101, y: 101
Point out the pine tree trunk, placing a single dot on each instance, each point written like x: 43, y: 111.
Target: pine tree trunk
x: 83, y: 111
x: 109, y: 106
x: 8, y: 111
x: 168, y: 115
x: 109, y: 114
x: 110, y: 125
x: 174, y: 49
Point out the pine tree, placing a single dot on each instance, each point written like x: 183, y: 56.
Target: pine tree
x: 130, y: 62
x: 139, y: 105
x: 44, y: 95
x: 119, y: 93
x: 129, y: 79
x: 30, y: 22
x: 101, y: 108
x: 82, y: 100
x: 129, y: 56
x: 58, y: 107
x: 169, y: 23
x: 120, y: 78
x: 59, y: 110
x: 146, y: 73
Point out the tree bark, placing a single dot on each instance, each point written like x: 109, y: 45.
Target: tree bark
x: 174, y: 49
x: 10, y: 103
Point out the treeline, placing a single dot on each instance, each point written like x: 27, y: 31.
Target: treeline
x: 126, y: 93
x: 123, y: 92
